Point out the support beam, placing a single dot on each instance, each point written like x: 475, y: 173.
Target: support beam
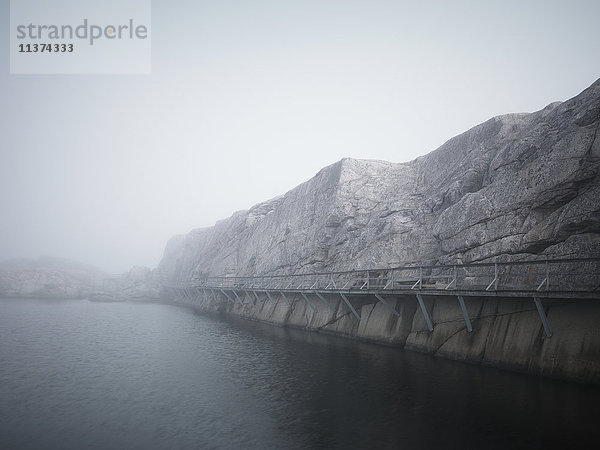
x: 387, y: 305
x: 228, y: 297
x: 238, y: 298
x: 350, y: 306
x: 270, y: 298
x: 542, y: 313
x: 257, y: 297
x: 465, y: 313
x: 425, y: 313
x: 325, y: 302
x: 249, y: 297
x: 285, y: 298
x: 308, y: 302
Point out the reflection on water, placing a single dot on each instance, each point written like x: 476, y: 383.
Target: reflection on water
x: 101, y: 375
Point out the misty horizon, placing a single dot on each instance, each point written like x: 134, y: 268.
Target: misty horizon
x: 245, y: 103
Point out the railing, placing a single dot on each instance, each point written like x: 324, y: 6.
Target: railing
x: 574, y: 276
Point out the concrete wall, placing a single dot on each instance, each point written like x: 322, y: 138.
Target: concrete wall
x: 507, y: 333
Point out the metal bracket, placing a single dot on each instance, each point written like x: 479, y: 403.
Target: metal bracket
x: 542, y: 313
x: 465, y: 313
x: 387, y: 305
x: 495, y: 280
x: 285, y: 298
x: 420, y: 280
x: 238, y: 297
x: 249, y: 298
x: 325, y: 301
x: 228, y: 297
x: 308, y: 302
x: 452, y: 284
x: 425, y: 313
x: 270, y: 298
x: 350, y: 306
x: 546, y: 280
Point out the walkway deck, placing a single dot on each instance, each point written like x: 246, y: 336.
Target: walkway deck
x: 546, y: 279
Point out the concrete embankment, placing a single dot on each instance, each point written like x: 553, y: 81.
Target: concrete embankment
x: 507, y: 332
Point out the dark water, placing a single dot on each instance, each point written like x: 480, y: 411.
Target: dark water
x: 75, y: 375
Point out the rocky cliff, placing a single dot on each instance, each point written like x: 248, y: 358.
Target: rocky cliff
x: 517, y: 186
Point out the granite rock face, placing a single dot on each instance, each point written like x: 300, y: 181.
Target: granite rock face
x: 519, y: 186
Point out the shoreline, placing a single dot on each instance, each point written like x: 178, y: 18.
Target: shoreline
x: 507, y: 333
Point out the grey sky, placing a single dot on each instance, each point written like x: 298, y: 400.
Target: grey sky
x: 247, y: 99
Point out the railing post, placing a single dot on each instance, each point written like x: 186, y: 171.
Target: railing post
x: 455, y: 273
x: 453, y: 282
x: 495, y: 280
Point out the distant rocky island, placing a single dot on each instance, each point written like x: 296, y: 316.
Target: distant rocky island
x: 58, y: 278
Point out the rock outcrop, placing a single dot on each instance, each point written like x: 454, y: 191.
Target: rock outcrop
x: 517, y: 186
x: 49, y: 278
x: 64, y: 279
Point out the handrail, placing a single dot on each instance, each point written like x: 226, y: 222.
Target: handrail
x: 533, y: 275
x: 425, y: 267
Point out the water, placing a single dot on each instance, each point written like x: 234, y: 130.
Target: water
x: 75, y: 374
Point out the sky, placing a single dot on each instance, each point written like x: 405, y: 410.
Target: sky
x: 247, y: 99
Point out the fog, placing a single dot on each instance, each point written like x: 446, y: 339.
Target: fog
x: 248, y: 99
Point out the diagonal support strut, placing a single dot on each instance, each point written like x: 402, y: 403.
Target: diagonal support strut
x: 425, y: 313
x: 325, y: 301
x: 387, y: 305
x: 308, y: 302
x: 542, y: 313
x: 461, y: 300
x: 350, y: 306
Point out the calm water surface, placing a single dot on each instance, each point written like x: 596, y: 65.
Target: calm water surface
x: 76, y: 374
